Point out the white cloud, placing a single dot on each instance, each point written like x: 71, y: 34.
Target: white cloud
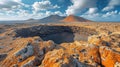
x: 48, y: 13
x: 114, y: 2
x: 79, y: 5
x: 112, y: 13
x: 23, y: 13
x: 44, y: 5
x: 59, y: 13
x: 92, y: 10
x: 111, y: 5
x: 91, y: 16
x: 9, y: 4
x: 109, y: 16
x: 108, y: 8
x: 13, y: 10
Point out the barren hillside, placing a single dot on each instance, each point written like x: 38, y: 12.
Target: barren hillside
x: 72, y: 18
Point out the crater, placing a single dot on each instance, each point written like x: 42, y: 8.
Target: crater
x: 59, y: 34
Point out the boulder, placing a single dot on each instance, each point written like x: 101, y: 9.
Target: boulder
x: 109, y: 57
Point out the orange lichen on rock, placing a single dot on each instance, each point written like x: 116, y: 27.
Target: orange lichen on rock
x: 27, y: 49
x: 108, y: 56
x: 54, y: 58
x: 83, y: 54
x: 17, y: 45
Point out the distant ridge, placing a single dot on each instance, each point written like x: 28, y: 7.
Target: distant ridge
x: 58, y: 19
x: 30, y: 19
x: 72, y: 18
x: 52, y: 18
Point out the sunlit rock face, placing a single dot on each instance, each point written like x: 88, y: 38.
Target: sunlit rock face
x: 27, y: 52
x: 109, y: 57
x: 72, y: 55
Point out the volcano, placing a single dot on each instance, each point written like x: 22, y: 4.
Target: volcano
x: 72, y: 18
x: 52, y: 18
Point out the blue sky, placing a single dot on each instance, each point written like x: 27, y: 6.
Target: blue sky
x: 96, y: 10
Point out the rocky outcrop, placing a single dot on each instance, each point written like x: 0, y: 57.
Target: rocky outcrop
x: 71, y: 56
x: 117, y: 64
x: 109, y: 57
x: 108, y: 48
x: 58, y: 58
x: 28, y: 52
x: 111, y: 40
x: 2, y: 57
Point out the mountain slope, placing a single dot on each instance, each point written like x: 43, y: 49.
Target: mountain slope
x: 72, y: 18
x: 52, y: 18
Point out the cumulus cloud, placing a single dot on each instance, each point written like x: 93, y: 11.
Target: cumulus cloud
x: 112, y: 13
x: 92, y: 10
x: 9, y: 4
x: 108, y: 16
x: 15, y: 10
x: 59, y: 13
x: 44, y: 5
x: 108, y: 8
x: 48, y: 13
x: 114, y: 2
x: 79, y: 5
x: 111, y: 5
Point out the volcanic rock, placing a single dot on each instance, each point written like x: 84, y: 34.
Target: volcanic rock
x: 2, y: 57
x: 109, y: 57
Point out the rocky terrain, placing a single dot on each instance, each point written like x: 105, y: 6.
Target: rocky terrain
x: 60, y: 45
